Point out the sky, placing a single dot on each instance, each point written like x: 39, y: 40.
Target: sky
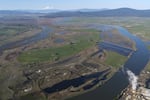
x: 72, y: 4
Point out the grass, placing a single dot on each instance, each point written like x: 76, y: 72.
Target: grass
x: 84, y: 30
x: 136, y: 25
x: 9, y: 33
x: 148, y: 66
x: 13, y: 30
x: 114, y: 59
x: 142, y: 30
x: 148, y: 46
x: 33, y: 97
x: 82, y: 42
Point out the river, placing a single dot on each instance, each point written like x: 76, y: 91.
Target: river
x: 119, y: 80
x: 39, y: 36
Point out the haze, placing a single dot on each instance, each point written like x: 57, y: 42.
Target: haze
x: 72, y: 4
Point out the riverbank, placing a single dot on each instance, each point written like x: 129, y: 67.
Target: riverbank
x: 114, y: 83
x: 69, y: 71
x: 142, y: 90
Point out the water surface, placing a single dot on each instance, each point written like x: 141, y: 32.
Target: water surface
x: 40, y: 36
x: 119, y: 80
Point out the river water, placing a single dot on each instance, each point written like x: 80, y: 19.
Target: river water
x: 119, y: 80
x: 40, y: 36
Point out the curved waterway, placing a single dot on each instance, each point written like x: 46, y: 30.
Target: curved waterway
x: 40, y: 36
x: 119, y: 80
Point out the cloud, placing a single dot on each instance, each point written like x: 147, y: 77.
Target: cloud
x: 48, y: 7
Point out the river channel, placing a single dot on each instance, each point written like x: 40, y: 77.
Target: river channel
x: 39, y: 36
x: 119, y: 80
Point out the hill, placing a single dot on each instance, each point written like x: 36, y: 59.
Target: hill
x: 121, y: 12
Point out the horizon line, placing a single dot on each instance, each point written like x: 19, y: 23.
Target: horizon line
x: 74, y: 9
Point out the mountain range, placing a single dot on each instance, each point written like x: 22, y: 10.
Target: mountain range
x: 120, y: 12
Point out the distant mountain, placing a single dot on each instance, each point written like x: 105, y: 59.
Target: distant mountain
x: 90, y: 10
x: 121, y: 12
x: 13, y: 12
x: 26, y: 12
x: 44, y: 11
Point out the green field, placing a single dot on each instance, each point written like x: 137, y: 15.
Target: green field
x: 12, y: 30
x: 114, y: 59
x: 136, y: 25
x: 33, y: 97
x: 9, y: 33
x: 77, y: 43
x: 148, y: 66
x: 148, y: 46
x: 141, y: 30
